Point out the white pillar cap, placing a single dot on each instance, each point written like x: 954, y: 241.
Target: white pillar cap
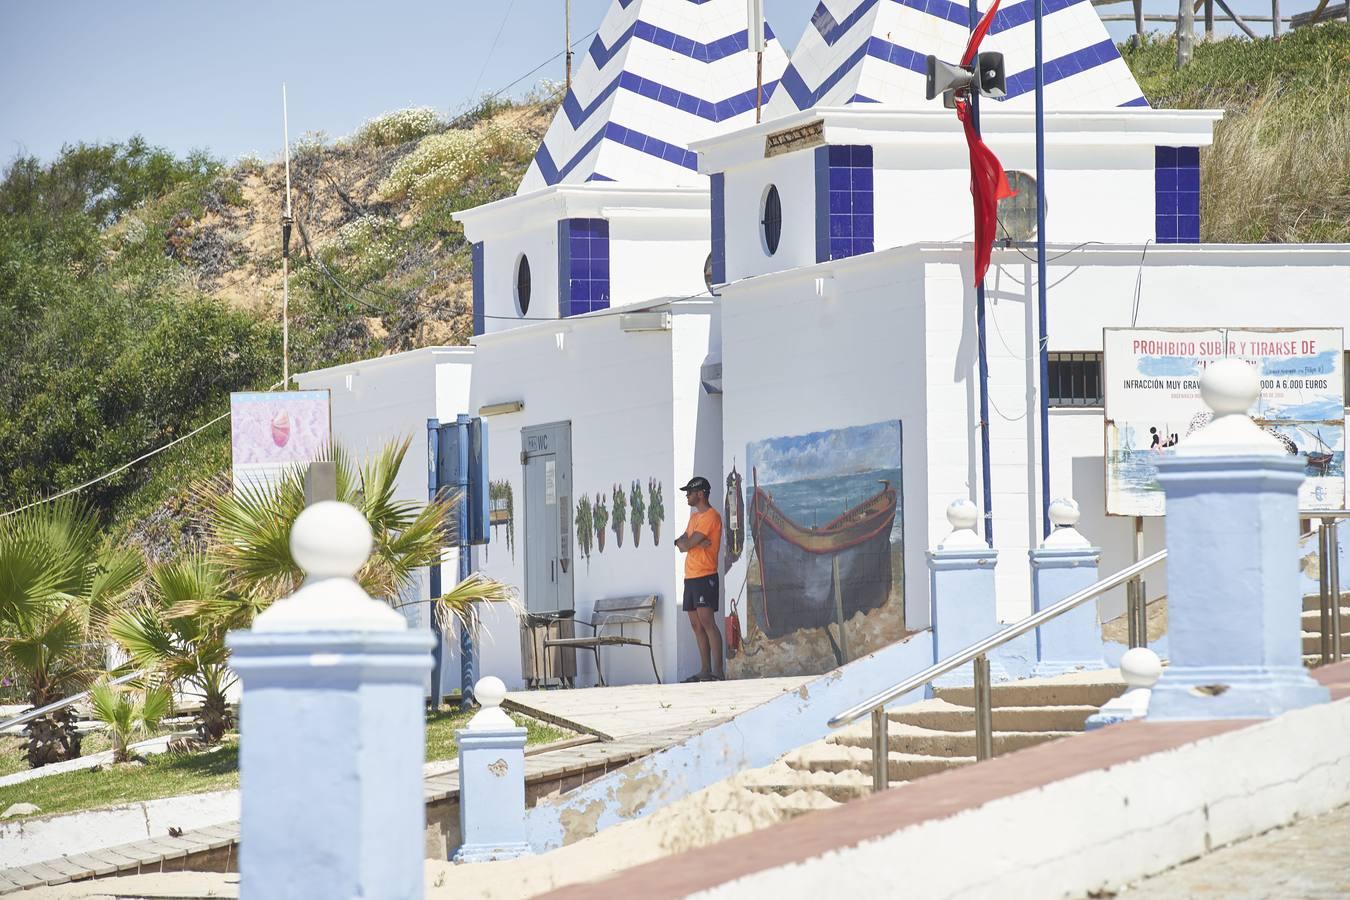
x: 489, y: 692
x: 962, y: 515
x: 1140, y: 667
x: 331, y: 541
x: 1064, y: 533
x: 1230, y: 388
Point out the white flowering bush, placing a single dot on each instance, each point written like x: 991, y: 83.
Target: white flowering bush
x: 365, y: 248
x: 442, y: 163
x: 250, y: 164
x: 399, y: 127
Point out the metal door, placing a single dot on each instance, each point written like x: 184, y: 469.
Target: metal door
x: 546, y: 453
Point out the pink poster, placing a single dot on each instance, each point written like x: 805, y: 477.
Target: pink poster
x: 272, y: 431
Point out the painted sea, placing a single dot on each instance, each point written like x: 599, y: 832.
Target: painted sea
x: 813, y: 502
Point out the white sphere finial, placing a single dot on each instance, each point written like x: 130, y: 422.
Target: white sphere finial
x: 962, y: 515
x: 331, y: 540
x: 1140, y: 667
x: 490, y: 692
x: 1230, y: 387
x: 1064, y: 512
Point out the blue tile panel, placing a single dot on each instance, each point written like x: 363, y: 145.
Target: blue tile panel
x: 719, y: 228
x: 713, y: 111
x: 1007, y: 18
x: 583, y: 265
x: 676, y: 43
x: 1176, y: 191
x: 629, y: 138
x: 844, y: 196
x: 479, y: 318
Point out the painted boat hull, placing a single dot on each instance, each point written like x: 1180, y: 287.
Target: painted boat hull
x: 797, y: 570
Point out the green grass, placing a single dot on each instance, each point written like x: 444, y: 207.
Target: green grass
x: 171, y: 775
x: 1279, y: 168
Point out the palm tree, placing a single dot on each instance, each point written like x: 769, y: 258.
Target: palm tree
x: 178, y: 634
x: 251, y: 528
x: 58, y: 587
x: 128, y: 712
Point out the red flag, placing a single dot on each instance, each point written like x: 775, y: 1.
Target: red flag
x: 988, y: 183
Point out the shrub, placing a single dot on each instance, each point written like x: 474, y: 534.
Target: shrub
x: 399, y: 127
x: 443, y: 163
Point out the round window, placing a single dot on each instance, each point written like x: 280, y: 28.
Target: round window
x: 523, y: 284
x: 1017, y: 215
x: 707, y: 273
x: 771, y: 220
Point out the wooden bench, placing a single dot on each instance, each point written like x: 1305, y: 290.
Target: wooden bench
x: 608, y: 620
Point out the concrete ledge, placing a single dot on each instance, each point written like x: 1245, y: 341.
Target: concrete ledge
x: 1108, y: 807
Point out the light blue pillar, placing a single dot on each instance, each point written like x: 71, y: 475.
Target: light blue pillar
x: 1234, y: 601
x: 961, y: 581
x: 332, y: 729
x: 491, y: 781
x: 1063, y: 565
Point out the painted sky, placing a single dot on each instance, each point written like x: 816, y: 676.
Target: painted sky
x: 844, y: 451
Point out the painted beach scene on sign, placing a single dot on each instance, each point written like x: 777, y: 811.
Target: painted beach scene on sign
x: 1152, y: 396
x: 824, y: 563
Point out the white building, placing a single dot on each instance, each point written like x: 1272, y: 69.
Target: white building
x: 837, y: 367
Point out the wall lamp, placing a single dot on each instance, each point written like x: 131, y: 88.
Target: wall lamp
x: 645, y: 321
x: 501, y: 409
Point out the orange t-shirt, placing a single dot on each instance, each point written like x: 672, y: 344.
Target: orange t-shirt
x: 701, y: 561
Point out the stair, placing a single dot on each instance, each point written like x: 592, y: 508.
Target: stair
x: 1312, y: 627
x: 937, y: 735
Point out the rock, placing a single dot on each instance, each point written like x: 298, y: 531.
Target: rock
x: 20, y: 809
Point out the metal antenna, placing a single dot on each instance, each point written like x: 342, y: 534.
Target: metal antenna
x: 755, y: 11
x: 567, y: 38
x: 286, y: 222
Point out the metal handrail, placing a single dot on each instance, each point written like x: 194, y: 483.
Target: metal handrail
x: 25, y: 718
x: 980, y: 648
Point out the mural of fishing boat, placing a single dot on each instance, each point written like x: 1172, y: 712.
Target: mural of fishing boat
x: 797, y: 563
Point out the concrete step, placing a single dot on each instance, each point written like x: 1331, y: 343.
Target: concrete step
x: 904, y: 738
x: 1312, y: 620
x: 1079, y: 689
x: 1312, y: 643
x: 1314, y: 601
x: 940, y: 715
x: 785, y: 781
x: 827, y: 757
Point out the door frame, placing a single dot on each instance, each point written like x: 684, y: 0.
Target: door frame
x: 562, y: 455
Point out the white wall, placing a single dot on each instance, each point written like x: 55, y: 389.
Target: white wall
x: 922, y: 192
x: 539, y: 242
x: 657, y: 257
x: 795, y: 176
x: 795, y: 363
x: 617, y: 391
x: 384, y: 399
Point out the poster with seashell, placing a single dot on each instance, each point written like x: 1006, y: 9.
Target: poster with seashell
x: 272, y: 431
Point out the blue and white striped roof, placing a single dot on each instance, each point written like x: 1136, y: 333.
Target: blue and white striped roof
x: 872, y: 51
x: 659, y: 75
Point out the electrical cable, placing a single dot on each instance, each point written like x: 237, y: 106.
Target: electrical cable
x: 122, y: 468
x: 1138, y: 286
x: 493, y: 49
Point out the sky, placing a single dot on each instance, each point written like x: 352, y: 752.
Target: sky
x: 198, y: 75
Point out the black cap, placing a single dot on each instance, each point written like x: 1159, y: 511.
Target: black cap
x: 698, y: 483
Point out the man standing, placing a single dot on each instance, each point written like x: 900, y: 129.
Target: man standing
x: 699, y: 543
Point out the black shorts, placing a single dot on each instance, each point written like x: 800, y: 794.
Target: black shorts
x: 700, y: 593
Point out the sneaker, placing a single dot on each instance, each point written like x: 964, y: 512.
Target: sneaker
x: 693, y: 678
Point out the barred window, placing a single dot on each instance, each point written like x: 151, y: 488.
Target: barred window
x: 1075, y: 379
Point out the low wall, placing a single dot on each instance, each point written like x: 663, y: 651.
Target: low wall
x: 1086, y: 814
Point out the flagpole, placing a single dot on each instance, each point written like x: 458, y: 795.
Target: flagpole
x: 986, y: 474
x: 286, y: 222
x: 1044, y: 340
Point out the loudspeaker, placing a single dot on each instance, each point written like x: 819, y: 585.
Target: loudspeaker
x: 989, y: 75
x: 942, y: 77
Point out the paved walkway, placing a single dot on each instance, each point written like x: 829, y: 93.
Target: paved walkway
x: 1305, y: 860
x: 615, y: 713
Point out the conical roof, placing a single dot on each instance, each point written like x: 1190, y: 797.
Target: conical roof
x: 659, y: 75
x: 872, y: 51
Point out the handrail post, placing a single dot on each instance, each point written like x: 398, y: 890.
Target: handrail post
x: 1334, y: 589
x: 881, y: 756
x: 1324, y: 590
x: 984, y: 710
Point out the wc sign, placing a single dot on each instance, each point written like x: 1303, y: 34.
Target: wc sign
x: 1151, y: 381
